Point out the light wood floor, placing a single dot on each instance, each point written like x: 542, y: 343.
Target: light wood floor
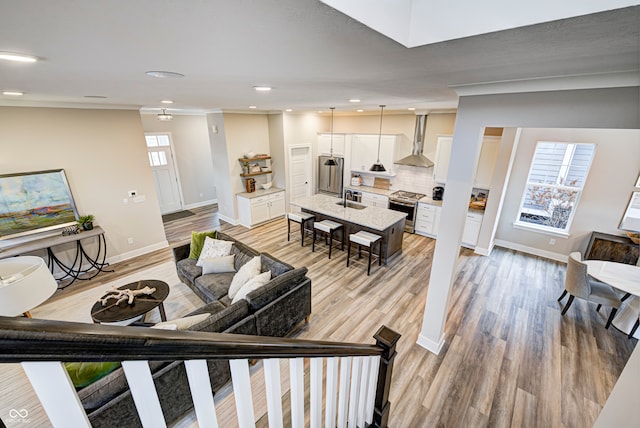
x: 509, y: 358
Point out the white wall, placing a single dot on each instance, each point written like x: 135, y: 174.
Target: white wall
x: 193, y: 155
x: 103, y: 153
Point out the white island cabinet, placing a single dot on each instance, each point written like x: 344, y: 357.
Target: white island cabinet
x: 260, y: 206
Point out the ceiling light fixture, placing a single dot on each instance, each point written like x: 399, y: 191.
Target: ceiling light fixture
x: 331, y: 161
x: 359, y: 110
x: 289, y: 110
x: 262, y: 88
x: 164, y: 116
x: 252, y: 107
x: 354, y: 100
x: 166, y: 102
x: 411, y: 108
x: 95, y: 96
x: 165, y: 74
x: 13, y: 93
x: 378, y: 167
x: 17, y: 57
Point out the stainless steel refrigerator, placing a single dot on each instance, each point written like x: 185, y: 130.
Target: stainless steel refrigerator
x: 330, y: 177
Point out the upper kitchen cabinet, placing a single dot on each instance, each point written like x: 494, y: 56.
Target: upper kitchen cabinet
x: 324, y: 145
x: 364, y: 151
x: 486, y: 164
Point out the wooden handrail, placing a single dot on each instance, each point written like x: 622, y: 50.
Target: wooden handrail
x: 23, y: 339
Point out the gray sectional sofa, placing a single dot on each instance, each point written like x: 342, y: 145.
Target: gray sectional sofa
x: 275, y: 309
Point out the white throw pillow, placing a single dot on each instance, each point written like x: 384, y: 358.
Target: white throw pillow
x: 183, y: 323
x: 214, y: 248
x: 218, y: 265
x: 253, y: 284
x: 249, y: 270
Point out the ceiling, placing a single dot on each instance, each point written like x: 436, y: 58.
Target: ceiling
x: 312, y: 55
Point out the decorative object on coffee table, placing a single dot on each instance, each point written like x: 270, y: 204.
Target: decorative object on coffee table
x: 125, y: 295
x: 122, y: 313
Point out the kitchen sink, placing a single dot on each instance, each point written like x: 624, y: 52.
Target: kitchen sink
x: 352, y: 205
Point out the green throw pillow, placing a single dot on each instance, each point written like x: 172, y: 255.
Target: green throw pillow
x: 197, y: 242
x: 83, y: 374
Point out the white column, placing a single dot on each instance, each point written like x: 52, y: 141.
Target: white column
x: 467, y: 143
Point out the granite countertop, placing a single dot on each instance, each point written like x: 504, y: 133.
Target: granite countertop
x: 259, y: 192
x: 430, y: 201
x: 373, y: 217
x: 369, y: 189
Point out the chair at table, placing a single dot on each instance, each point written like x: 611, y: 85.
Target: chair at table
x: 579, y: 284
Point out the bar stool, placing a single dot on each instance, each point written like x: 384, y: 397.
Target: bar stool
x: 328, y: 227
x: 368, y: 240
x: 301, y: 218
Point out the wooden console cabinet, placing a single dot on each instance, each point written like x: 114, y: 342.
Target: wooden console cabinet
x: 614, y: 248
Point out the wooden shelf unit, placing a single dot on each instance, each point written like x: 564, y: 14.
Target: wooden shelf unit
x: 254, y: 159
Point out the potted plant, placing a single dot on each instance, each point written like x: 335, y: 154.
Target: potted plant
x: 86, y: 221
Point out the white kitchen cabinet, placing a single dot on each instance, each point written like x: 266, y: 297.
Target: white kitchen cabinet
x: 364, y: 151
x: 256, y: 210
x: 374, y: 200
x: 324, y: 144
x: 472, y: 229
x: 427, y: 219
x: 486, y: 163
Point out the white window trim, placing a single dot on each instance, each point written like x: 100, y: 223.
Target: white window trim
x: 531, y: 227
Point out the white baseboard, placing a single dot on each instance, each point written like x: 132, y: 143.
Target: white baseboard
x: 430, y: 345
x: 485, y: 251
x: 533, y: 251
x: 138, y: 252
x: 231, y: 221
x: 200, y: 204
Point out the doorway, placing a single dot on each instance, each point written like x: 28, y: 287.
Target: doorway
x: 300, y: 170
x: 162, y: 162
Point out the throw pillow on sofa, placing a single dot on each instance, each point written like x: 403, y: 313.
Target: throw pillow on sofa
x: 247, y: 272
x: 214, y: 248
x: 218, y: 264
x: 252, y: 284
x: 197, y: 242
x: 182, y: 323
x: 83, y: 374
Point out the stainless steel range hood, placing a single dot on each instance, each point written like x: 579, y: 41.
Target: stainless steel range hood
x: 416, y: 158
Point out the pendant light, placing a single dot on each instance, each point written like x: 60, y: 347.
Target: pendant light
x: 164, y: 116
x: 331, y: 161
x: 378, y: 167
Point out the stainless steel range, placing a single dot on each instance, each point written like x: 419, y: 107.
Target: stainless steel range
x: 406, y: 202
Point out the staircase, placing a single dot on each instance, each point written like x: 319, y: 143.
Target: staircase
x: 356, y: 380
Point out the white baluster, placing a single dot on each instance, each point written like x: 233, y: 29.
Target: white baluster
x: 242, y: 391
x: 144, y: 393
x: 316, y: 393
x: 274, y: 392
x: 201, y: 391
x: 296, y: 374
x: 55, y: 390
x: 331, y: 393
x: 362, y: 396
x: 343, y: 397
x: 353, y: 395
x: 374, y: 365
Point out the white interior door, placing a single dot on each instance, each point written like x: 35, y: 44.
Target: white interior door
x: 300, y: 172
x: 164, y: 172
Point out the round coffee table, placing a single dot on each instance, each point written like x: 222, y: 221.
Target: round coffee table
x: 124, y: 313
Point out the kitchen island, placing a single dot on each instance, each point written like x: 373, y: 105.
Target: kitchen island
x: 387, y: 223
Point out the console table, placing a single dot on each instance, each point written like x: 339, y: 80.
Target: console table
x: 613, y: 248
x: 75, y: 269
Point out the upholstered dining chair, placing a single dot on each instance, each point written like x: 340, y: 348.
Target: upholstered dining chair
x: 578, y: 283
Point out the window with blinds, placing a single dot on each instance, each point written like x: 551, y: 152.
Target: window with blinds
x: 556, y: 178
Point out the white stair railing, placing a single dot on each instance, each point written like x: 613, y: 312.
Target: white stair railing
x: 355, y: 384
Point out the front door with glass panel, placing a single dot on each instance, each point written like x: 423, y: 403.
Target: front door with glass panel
x: 164, y: 173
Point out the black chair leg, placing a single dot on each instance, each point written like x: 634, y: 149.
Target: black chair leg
x: 564, y: 293
x: 288, y: 229
x: 348, y: 253
x: 598, y: 308
x: 380, y: 253
x: 635, y: 327
x: 313, y: 245
x: 369, y: 264
x: 330, y: 242
x: 569, y: 302
x: 613, y: 314
x: 625, y: 297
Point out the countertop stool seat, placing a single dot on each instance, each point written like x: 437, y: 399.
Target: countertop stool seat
x: 302, y: 218
x: 366, y: 239
x: 327, y: 227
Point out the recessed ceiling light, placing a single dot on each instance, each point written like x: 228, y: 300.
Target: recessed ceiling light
x: 354, y: 100
x: 165, y: 74
x: 95, y: 96
x: 18, y: 57
x: 253, y: 107
x: 262, y: 88
x: 359, y: 110
x: 13, y: 93
x: 289, y: 110
x: 166, y: 102
x: 411, y: 108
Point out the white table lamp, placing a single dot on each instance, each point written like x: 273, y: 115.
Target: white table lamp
x: 25, y: 282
